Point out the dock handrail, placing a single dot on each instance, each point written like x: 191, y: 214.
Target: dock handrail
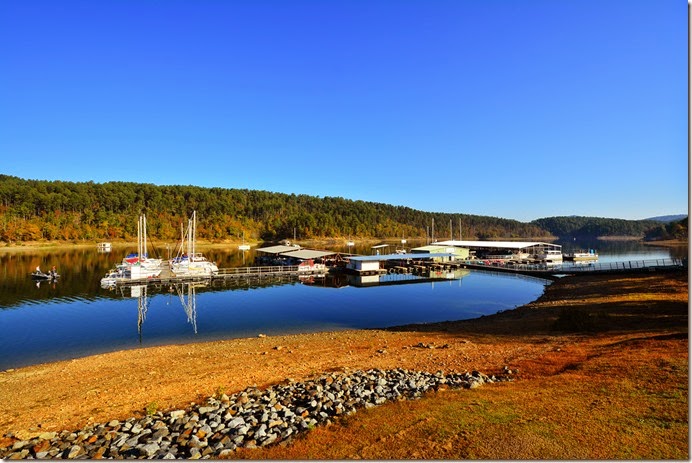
x: 589, y: 267
x: 258, y: 270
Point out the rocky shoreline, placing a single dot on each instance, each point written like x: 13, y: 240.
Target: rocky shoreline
x: 248, y: 419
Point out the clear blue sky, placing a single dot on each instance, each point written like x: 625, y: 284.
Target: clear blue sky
x: 510, y: 108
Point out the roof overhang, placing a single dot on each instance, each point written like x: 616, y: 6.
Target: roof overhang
x: 280, y: 249
x: 307, y: 254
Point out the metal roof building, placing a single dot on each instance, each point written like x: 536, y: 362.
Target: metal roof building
x: 295, y: 252
x: 515, y: 245
x: 398, y: 256
x: 306, y: 254
x: 280, y: 249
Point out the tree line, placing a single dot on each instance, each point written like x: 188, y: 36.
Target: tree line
x: 589, y: 227
x: 676, y: 230
x: 34, y: 210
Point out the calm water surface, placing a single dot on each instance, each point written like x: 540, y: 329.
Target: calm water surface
x: 76, y: 317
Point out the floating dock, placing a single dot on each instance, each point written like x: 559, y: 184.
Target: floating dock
x: 167, y: 276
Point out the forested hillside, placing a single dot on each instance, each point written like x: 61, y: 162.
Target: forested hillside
x: 671, y: 231
x: 33, y: 210
x: 589, y: 227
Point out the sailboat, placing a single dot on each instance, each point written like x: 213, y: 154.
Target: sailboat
x: 137, y: 265
x: 244, y: 247
x: 140, y: 265
x: 189, y: 262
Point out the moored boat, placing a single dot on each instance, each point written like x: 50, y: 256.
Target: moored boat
x: 582, y: 255
x: 244, y: 247
x: 188, y: 262
x: 139, y: 265
x: 136, y: 265
x: 549, y: 256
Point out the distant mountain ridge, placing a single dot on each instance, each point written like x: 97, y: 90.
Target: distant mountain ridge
x: 667, y: 218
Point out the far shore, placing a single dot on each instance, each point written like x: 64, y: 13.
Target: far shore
x: 30, y: 246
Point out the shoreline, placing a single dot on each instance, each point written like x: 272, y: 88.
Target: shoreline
x: 73, y: 393
x: 63, y: 245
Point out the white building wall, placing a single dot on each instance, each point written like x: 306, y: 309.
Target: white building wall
x: 362, y: 266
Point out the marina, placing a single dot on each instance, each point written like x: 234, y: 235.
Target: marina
x: 75, y: 316
x: 530, y: 258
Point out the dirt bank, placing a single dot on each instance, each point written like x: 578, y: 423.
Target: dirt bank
x: 568, y: 325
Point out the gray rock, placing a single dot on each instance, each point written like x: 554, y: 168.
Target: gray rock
x: 161, y: 433
x: 73, y: 452
x: 236, y: 422
x: 18, y: 445
x: 175, y: 414
x: 149, y: 449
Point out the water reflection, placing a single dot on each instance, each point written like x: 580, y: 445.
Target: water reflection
x: 81, y: 268
x: 186, y: 293
x: 405, y: 278
x: 190, y: 303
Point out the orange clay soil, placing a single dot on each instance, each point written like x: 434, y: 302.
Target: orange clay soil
x: 602, y: 373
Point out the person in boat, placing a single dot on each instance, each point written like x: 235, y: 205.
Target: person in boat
x: 38, y: 269
x: 53, y: 272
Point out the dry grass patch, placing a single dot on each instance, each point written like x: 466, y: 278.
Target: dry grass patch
x: 624, y: 400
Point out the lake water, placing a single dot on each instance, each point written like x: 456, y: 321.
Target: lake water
x: 76, y: 317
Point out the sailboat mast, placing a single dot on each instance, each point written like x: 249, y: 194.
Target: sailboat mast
x: 144, y: 232
x: 139, y: 238
x: 189, y: 238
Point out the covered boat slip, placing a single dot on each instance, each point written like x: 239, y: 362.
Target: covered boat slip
x: 281, y: 255
x: 506, y: 249
x: 371, y: 264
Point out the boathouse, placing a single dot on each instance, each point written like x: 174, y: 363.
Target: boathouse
x: 508, y: 250
x: 450, y: 252
x: 373, y: 264
x: 289, y: 255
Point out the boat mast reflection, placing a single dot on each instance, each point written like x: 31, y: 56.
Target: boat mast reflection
x: 187, y: 294
x: 140, y: 292
x: 189, y: 304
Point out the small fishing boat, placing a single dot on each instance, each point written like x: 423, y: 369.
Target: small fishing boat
x: 39, y: 275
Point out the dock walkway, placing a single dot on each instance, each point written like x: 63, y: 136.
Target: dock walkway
x: 419, y: 267
x: 555, y: 271
x: 167, y: 276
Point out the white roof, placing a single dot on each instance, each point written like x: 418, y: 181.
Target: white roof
x: 399, y: 256
x: 278, y: 249
x: 494, y: 244
x: 430, y: 248
x: 307, y: 254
